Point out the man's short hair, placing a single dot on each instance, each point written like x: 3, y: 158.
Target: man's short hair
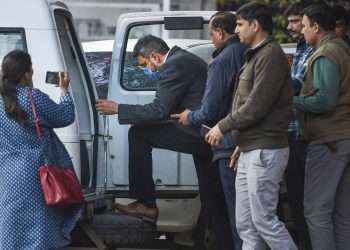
x: 339, y: 12
x: 319, y: 13
x: 296, y: 8
x: 259, y: 12
x: 149, y: 43
x: 224, y: 20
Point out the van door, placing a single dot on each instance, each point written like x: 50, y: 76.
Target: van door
x: 45, y: 29
x: 84, y: 95
x: 129, y: 84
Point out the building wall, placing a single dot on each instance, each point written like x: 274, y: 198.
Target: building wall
x: 96, y: 19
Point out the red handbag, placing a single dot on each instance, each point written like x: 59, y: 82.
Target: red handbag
x: 60, y: 185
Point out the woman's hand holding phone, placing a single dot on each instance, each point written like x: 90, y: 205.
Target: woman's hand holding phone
x: 64, y: 81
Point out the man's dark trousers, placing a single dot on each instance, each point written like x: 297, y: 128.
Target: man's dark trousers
x: 142, y: 138
x: 228, y: 180
x: 295, y: 176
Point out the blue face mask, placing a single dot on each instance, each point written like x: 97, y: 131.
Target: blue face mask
x: 150, y: 73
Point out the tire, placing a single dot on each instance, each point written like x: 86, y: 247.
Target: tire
x: 115, y: 228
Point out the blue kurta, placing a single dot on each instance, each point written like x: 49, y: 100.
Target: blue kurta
x: 25, y: 220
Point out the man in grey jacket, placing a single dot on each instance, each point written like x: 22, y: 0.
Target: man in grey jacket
x: 181, y: 85
x: 260, y: 115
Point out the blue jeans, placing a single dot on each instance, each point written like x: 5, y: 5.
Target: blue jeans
x: 228, y: 178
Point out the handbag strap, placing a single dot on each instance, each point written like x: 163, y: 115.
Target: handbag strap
x: 36, y: 120
x: 37, y: 126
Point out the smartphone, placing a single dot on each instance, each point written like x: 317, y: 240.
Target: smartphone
x: 52, y: 77
x: 204, y: 130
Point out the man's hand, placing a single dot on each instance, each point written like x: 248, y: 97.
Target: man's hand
x: 182, y: 117
x: 214, y: 136
x: 234, y: 158
x: 106, y: 107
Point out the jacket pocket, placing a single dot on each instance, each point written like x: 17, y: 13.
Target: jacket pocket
x: 245, y: 86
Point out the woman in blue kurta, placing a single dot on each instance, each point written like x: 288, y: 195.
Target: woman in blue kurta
x: 26, y: 222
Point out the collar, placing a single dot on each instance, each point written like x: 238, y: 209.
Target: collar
x: 228, y: 42
x: 301, y: 41
x: 250, y: 52
x: 261, y: 42
x: 327, y: 37
x: 166, y: 56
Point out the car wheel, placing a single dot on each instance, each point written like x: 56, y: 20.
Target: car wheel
x: 116, y: 228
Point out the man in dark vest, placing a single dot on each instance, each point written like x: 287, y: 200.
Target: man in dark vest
x: 324, y: 113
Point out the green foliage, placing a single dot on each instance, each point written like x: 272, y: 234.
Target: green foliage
x: 280, y: 29
x: 277, y: 7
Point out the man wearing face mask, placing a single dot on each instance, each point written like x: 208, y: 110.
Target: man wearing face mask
x: 180, y: 85
x: 150, y: 73
x: 295, y: 171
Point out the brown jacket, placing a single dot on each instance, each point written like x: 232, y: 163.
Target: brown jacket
x: 262, y: 103
x: 334, y: 125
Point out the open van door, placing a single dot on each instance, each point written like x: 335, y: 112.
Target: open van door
x: 84, y: 95
x: 45, y: 29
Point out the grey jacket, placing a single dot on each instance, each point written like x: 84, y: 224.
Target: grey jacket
x: 262, y: 103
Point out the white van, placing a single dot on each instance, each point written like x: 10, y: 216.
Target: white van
x: 98, y: 145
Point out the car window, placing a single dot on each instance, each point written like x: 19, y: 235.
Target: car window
x: 134, y: 77
x: 11, y: 39
x: 99, y: 66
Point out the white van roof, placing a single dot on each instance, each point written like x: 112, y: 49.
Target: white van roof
x: 107, y: 45
x: 29, y: 14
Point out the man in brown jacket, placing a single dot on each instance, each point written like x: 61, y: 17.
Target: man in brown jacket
x: 260, y: 116
x: 324, y: 113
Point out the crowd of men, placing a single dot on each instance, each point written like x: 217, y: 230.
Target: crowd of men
x: 268, y: 121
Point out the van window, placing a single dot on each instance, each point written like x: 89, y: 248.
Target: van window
x: 99, y: 66
x: 134, y: 77
x: 11, y: 39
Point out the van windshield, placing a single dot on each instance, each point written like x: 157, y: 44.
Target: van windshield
x: 10, y: 40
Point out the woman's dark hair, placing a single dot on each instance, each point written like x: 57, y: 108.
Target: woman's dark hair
x: 259, y: 12
x: 148, y: 43
x: 224, y: 20
x: 14, y: 66
x: 320, y: 13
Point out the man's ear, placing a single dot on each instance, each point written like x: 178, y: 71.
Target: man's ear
x: 155, y: 57
x: 317, y: 28
x: 255, y: 25
x: 221, y: 33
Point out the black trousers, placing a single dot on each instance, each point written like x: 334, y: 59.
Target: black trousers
x: 142, y: 138
x: 295, y: 176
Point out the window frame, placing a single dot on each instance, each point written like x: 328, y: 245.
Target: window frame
x: 17, y: 30
x: 125, y: 44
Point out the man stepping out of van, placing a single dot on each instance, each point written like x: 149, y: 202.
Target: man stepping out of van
x: 181, y: 84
